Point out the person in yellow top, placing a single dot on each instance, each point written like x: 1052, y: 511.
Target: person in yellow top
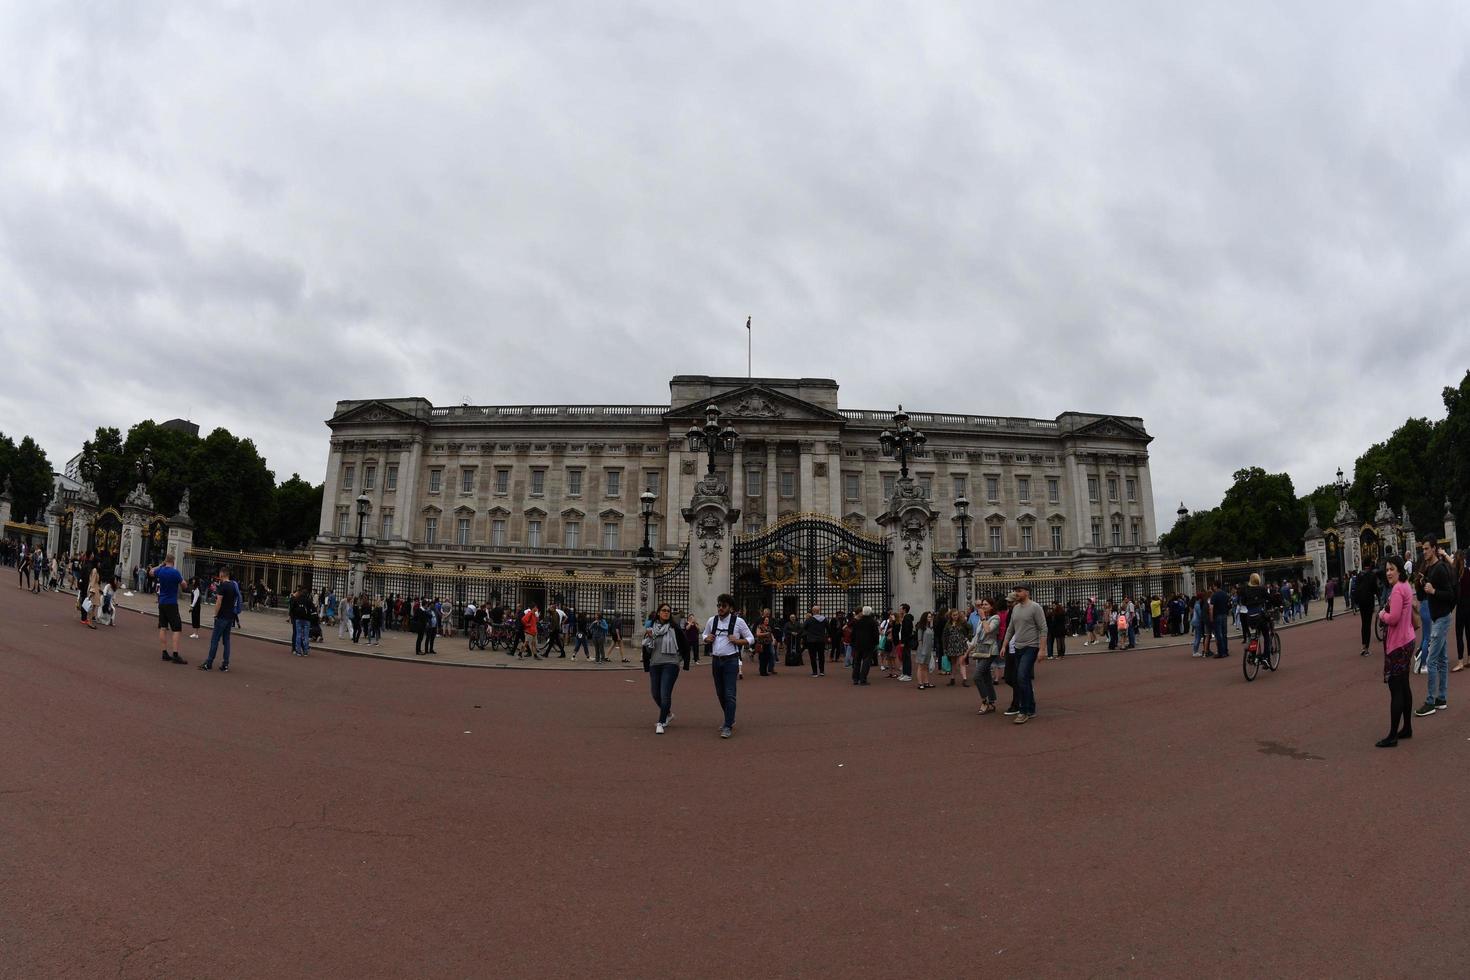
x: 1156, y: 609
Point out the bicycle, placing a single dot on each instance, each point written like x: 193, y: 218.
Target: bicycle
x: 1255, y: 657
x: 478, y: 640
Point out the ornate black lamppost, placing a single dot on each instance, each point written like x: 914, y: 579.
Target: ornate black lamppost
x: 712, y: 438
x: 1380, y: 488
x: 1340, y: 485
x: 645, y: 504
x: 962, y: 518
x: 901, y: 441
x: 364, y: 506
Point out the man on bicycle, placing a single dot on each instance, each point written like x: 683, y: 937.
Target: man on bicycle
x: 1255, y: 605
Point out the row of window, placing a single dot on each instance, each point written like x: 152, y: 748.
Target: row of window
x: 1130, y: 486
x: 755, y: 484
x: 612, y: 531
x: 612, y: 480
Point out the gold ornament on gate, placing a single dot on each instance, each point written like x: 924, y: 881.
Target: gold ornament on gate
x: 844, y: 569
x: 778, y: 569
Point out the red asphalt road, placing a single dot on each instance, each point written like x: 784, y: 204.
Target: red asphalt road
x: 330, y: 817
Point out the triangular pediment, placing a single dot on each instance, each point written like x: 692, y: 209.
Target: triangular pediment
x: 1112, y: 427
x: 373, y: 411
x: 755, y: 402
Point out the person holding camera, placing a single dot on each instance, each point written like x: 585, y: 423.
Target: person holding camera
x: 727, y: 635
x: 665, y: 647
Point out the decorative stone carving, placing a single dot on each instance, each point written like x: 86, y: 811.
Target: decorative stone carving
x: 755, y: 407
x: 709, y: 531
x: 139, y: 498
x: 911, y: 534
x: 5, y: 494
x: 689, y: 467
x: 88, y: 495
x: 183, y: 506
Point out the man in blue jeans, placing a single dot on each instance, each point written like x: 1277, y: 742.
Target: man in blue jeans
x: 1027, y: 628
x: 727, y: 634
x: 1220, y: 612
x: 227, y: 594
x: 1440, y: 589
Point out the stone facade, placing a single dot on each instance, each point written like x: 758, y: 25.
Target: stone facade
x: 558, y: 486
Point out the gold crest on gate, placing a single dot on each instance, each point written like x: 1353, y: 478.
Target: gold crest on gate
x: 844, y: 569
x: 778, y: 569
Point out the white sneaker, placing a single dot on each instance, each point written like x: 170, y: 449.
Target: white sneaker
x: 670, y: 720
x: 904, y: 677
x: 658, y: 729
x: 193, y: 636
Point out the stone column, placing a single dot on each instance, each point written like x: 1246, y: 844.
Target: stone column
x: 909, y: 526
x: 1186, y: 575
x: 737, y: 477
x: 806, y: 481
x: 328, y: 522
x: 53, y: 532
x: 709, y: 515
x: 84, y: 512
x: 5, y: 504
x: 771, y: 488
x: 834, y: 480
x: 647, y: 600
x: 1146, y: 499
x: 966, y: 569
x: 181, y: 542
x: 1081, y: 507
x: 675, y: 533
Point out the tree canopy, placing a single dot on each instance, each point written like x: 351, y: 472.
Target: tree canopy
x: 29, y: 473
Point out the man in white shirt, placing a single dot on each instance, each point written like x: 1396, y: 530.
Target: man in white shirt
x: 727, y: 635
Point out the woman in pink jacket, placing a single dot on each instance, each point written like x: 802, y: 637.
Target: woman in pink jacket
x: 1398, y: 650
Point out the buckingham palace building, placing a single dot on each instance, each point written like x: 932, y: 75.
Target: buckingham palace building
x: 558, y: 487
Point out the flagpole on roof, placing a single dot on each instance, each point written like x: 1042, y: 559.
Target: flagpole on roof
x: 748, y: 372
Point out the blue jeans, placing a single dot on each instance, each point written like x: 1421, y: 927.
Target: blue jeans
x: 726, y: 671
x: 1025, y: 678
x: 221, y: 632
x: 1221, y: 648
x: 661, y: 678
x: 1438, y: 635
x: 301, y: 635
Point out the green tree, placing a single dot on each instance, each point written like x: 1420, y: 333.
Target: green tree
x: 1414, y: 477
x: 1260, y: 517
x: 7, y: 457
x: 171, y: 453
x: 106, y: 465
x: 232, y: 498
x: 298, y: 512
x: 1450, y: 450
x: 30, y: 481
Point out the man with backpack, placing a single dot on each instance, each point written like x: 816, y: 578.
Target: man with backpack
x: 727, y: 636
x: 226, y: 614
x: 300, y: 611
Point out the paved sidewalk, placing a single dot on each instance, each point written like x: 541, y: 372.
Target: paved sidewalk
x: 272, y: 626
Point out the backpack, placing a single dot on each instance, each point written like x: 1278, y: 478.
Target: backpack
x: 238, y: 603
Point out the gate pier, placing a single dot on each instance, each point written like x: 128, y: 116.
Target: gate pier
x: 909, y: 526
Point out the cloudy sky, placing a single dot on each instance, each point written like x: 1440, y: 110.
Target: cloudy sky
x: 1245, y: 223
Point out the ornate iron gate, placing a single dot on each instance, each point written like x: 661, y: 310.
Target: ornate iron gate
x: 671, y: 585
x: 806, y: 559
x: 946, y: 588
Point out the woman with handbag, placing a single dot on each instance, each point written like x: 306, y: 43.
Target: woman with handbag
x: 1398, y: 651
x: 956, y: 640
x: 982, y: 651
x: 664, y: 648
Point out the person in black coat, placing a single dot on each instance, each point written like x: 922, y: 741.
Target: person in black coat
x: 864, y: 645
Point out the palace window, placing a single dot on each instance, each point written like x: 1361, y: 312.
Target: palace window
x: 538, y: 483
x: 1056, y: 537
x: 497, y: 532
x: 852, y: 486
x: 1130, y: 486
x: 572, y: 534
x: 1023, y: 489
x: 611, y: 531
x: 650, y: 480
x: 574, y: 483
x: 348, y: 472
x: 1112, y: 488
x: 462, y: 531
x: 995, y: 537
x: 387, y: 524
x: 431, y: 529
x: 752, y: 527
x: 926, y: 485
x: 1026, y: 537
x: 1053, y: 490
x: 342, y: 517
x: 436, y: 480
x: 467, y: 479
x: 1135, y: 532
x: 370, y: 477
x: 1096, y: 533
x: 961, y: 484
x: 1117, y: 534
x: 533, y: 534
x: 614, y: 481
x: 890, y: 481
x: 992, y: 489
x: 390, y: 477
x: 788, y: 483
x: 502, y: 481
x: 1092, y: 489
x: 753, y: 483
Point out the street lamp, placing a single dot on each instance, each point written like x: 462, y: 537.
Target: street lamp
x: 901, y: 441
x: 1380, y: 488
x: 962, y: 517
x: 645, y: 503
x: 712, y: 438
x: 364, y: 505
x: 145, y: 465
x: 1340, y: 485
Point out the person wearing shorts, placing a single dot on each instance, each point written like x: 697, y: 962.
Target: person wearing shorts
x: 169, y: 580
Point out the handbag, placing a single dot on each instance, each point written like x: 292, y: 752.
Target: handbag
x: 87, y: 604
x: 944, y: 663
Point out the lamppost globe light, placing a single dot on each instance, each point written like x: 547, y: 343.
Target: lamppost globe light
x: 694, y: 436
x: 646, y: 499
x: 364, y: 505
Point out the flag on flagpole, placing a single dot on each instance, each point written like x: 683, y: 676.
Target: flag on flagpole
x: 747, y: 323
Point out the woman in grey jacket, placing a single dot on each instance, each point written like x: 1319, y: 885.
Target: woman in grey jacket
x: 665, y: 646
